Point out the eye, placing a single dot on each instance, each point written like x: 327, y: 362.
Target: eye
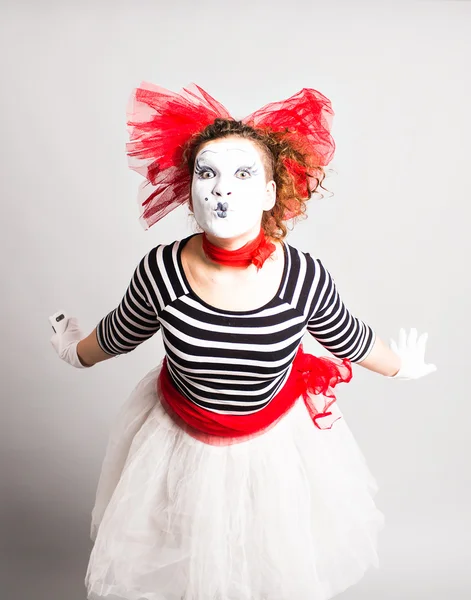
x: 205, y: 173
x: 243, y: 174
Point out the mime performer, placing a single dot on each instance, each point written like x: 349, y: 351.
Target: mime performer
x: 230, y: 472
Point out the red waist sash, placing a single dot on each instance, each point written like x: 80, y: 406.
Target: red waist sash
x: 310, y: 376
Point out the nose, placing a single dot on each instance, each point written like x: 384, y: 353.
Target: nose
x: 221, y: 188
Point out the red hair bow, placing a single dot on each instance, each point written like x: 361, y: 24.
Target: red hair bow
x: 160, y: 122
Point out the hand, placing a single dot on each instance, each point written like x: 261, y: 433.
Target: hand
x: 412, y: 354
x: 65, y: 343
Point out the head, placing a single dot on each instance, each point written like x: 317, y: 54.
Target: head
x: 239, y: 179
x: 230, y: 189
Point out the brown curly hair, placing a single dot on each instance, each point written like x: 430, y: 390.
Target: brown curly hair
x: 276, y: 151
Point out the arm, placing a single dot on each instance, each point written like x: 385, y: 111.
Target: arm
x: 131, y: 323
x: 382, y: 360
x: 337, y: 329
x: 332, y: 324
x: 90, y: 352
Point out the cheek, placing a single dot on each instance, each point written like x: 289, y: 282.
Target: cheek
x: 199, y: 205
x: 253, y: 194
x: 199, y: 188
x: 195, y: 194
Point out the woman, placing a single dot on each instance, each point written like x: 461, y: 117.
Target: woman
x: 230, y: 472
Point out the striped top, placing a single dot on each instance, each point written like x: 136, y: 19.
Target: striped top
x: 232, y: 361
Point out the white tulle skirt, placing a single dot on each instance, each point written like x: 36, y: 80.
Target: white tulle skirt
x: 288, y: 515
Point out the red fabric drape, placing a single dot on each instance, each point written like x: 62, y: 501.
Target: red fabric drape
x: 310, y: 376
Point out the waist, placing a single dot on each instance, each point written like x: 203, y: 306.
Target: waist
x: 310, y: 376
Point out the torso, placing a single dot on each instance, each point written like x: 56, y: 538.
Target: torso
x: 229, y: 288
x: 232, y: 360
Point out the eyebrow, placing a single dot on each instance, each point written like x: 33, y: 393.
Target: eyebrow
x: 208, y: 151
x: 202, y: 159
x: 253, y: 167
x: 198, y: 163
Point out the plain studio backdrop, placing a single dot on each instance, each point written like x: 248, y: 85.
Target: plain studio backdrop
x: 394, y: 234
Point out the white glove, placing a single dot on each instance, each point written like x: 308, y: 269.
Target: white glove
x: 65, y: 343
x: 412, y: 354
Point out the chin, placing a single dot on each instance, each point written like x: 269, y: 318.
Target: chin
x: 220, y: 230
x: 223, y: 235
x: 225, y: 229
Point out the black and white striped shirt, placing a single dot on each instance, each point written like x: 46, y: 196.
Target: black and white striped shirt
x: 232, y: 361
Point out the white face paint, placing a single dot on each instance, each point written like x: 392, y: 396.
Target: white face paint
x: 228, y: 189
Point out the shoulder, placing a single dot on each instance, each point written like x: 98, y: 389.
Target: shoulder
x: 161, y: 273
x: 160, y: 259
x: 164, y: 252
x: 304, y: 258
x: 308, y: 270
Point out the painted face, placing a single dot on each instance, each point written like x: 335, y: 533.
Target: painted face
x: 229, y: 190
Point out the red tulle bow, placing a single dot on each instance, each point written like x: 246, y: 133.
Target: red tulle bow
x: 317, y: 376
x: 160, y: 123
x: 256, y: 251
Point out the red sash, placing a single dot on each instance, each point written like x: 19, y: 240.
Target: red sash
x: 310, y: 375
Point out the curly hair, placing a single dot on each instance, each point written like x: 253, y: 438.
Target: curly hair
x: 294, y: 171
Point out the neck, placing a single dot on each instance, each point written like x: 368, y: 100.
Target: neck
x: 255, y: 251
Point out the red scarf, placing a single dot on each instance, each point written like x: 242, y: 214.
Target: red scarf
x: 310, y: 375
x: 255, y: 251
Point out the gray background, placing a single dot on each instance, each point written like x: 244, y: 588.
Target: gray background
x: 395, y: 235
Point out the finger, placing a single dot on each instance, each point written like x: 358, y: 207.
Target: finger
x: 393, y: 346
x: 430, y: 368
x: 412, y: 338
x: 72, y: 324
x: 402, y: 338
x: 421, y: 343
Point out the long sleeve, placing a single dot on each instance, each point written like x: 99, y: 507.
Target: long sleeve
x: 133, y: 321
x: 332, y: 324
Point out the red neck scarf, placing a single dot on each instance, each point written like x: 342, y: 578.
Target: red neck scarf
x: 255, y: 251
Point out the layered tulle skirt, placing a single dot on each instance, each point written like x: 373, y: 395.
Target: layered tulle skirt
x: 288, y: 515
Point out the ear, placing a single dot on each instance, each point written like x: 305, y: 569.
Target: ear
x: 270, y: 195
